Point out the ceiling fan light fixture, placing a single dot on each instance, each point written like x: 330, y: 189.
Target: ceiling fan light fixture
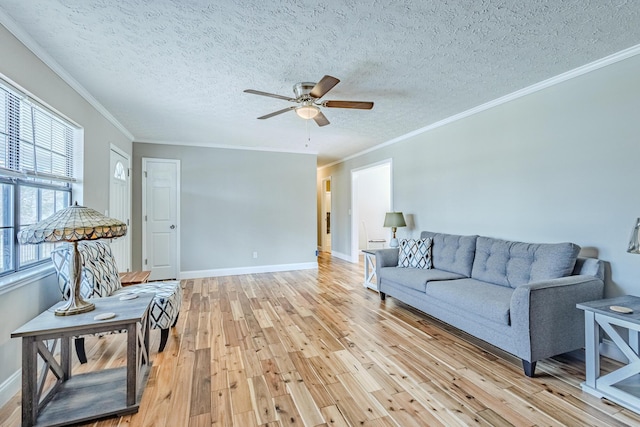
x: 307, y: 111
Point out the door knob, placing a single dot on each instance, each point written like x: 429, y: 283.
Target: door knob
x: 172, y: 226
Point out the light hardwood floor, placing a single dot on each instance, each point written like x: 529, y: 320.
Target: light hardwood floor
x: 316, y: 348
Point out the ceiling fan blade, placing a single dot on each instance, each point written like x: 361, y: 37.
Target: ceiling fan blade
x: 275, y: 113
x: 272, y: 95
x: 323, y: 86
x: 360, y: 105
x: 320, y: 119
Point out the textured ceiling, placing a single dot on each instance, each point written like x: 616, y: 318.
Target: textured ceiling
x: 175, y: 71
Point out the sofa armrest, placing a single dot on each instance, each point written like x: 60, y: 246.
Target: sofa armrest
x: 385, y: 258
x: 546, y: 317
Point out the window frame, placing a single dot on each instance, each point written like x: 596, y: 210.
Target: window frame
x: 59, y: 135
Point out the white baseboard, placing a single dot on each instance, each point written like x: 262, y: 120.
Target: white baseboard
x: 10, y: 387
x: 197, y: 274
x: 342, y: 256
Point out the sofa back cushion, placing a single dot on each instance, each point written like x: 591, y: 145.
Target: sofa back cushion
x: 450, y: 252
x: 515, y: 263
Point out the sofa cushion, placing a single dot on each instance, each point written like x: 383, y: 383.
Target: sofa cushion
x: 451, y: 252
x: 515, y: 263
x: 415, y: 278
x: 415, y: 253
x: 475, y: 297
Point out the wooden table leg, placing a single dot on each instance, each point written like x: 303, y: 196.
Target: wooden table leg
x: 592, y: 349
x: 29, y: 381
x: 65, y: 357
x: 132, y: 358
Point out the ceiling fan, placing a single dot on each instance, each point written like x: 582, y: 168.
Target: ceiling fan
x: 307, y: 96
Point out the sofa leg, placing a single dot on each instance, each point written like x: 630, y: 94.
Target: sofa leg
x: 529, y: 368
x: 164, y: 335
x: 79, y: 344
x: 382, y: 296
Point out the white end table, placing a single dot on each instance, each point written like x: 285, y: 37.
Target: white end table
x: 621, y: 386
x: 370, y: 279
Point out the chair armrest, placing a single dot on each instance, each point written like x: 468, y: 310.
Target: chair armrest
x: 546, y: 316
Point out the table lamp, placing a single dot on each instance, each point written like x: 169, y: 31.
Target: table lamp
x: 394, y: 220
x: 634, y: 241
x: 71, y: 225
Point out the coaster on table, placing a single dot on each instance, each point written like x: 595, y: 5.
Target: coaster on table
x: 621, y: 309
x: 104, y: 316
x: 128, y: 297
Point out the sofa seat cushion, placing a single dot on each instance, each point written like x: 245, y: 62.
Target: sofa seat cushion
x: 473, y: 296
x: 515, y: 263
x: 415, y: 278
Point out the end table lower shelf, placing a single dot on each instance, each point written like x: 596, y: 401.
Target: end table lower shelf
x: 85, y: 395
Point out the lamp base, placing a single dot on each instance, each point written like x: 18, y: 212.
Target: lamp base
x: 74, y: 307
x: 76, y: 304
x: 393, y: 243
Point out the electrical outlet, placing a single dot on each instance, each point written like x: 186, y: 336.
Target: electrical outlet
x: 255, y: 255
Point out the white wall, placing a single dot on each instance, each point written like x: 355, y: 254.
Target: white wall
x: 234, y: 203
x: 555, y: 165
x: 24, y: 302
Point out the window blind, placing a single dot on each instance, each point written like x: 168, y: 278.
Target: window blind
x: 33, y: 141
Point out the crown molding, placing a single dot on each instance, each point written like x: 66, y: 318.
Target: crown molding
x: 227, y: 147
x: 41, y: 54
x: 571, y: 74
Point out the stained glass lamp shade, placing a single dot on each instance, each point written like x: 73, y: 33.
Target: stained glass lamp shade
x: 71, y: 225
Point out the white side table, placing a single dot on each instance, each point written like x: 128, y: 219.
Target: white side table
x: 620, y: 386
x: 370, y: 279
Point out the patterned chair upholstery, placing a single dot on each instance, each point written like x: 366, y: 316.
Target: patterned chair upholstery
x: 100, y: 279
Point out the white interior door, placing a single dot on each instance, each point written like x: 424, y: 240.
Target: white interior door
x: 120, y: 205
x: 160, y: 218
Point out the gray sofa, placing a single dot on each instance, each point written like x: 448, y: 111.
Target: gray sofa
x: 517, y: 296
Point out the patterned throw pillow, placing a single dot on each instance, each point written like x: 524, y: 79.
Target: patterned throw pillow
x: 415, y: 253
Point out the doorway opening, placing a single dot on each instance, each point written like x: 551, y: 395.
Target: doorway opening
x: 370, y: 200
x: 325, y: 239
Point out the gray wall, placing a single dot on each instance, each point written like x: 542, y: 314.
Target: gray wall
x: 556, y: 165
x: 22, y: 303
x: 235, y: 202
